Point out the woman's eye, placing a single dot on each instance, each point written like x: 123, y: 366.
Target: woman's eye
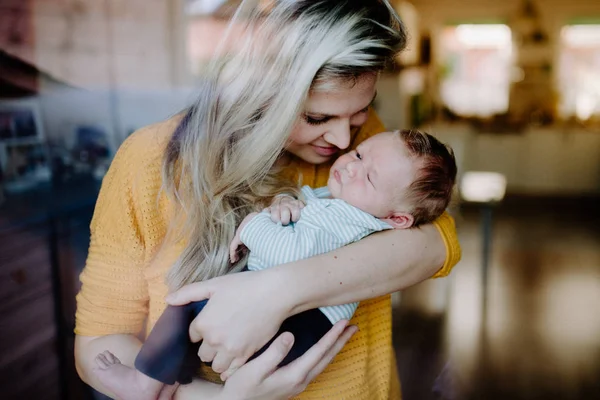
x: 358, y: 155
x: 315, y: 121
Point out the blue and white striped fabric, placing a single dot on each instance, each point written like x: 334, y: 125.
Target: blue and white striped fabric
x: 325, y: 224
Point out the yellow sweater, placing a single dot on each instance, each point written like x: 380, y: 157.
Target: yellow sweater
x: 123, y: 283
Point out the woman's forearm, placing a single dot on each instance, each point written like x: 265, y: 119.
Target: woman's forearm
x: 379, y: 264
x: 198, y: 390
x: 126, y: 347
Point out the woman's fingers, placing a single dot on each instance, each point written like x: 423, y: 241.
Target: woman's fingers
x: 313, y: 357
x: 221, y: 362
x: 206, y: 352
x: 348, y: 332
x: 267, y: 362
x: 234, y: 366
x: 195, y: 332
x: 193, y: 292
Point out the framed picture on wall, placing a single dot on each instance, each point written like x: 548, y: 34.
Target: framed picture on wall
x: 23, y: 156
x: 20, y: 121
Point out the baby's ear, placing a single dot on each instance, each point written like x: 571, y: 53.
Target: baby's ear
x: 400, y: 220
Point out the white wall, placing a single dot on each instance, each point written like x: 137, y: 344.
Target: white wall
x: 111, y: 43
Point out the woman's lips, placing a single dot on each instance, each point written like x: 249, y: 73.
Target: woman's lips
x: 325, y: 151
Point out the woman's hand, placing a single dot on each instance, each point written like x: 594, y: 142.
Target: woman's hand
x: 244, y: 311
x: 261, y: 379
x: 285, y: 209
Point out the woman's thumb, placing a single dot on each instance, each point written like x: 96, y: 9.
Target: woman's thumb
x: 193, y: 292
x: 275, y: 353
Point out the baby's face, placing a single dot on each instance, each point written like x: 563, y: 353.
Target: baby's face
x: 375, y: 175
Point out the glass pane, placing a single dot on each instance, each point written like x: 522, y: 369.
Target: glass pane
x: 476, y: 62
x: 579, y: 80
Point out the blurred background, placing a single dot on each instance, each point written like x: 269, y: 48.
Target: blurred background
x: 513, y: 86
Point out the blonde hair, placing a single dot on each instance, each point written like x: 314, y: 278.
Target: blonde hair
x: 219, y: 164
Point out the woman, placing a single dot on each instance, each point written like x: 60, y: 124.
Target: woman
x: 290, y: 97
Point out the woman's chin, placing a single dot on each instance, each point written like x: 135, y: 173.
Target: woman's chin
x: 315, y: 159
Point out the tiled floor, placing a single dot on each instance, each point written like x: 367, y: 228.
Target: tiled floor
x: 541, y: 339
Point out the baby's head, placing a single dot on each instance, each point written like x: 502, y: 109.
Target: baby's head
x: 404, y: 177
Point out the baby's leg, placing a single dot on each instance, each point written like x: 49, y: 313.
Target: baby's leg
x: 123, y: 381
x: 307, y: 327
x: 165, y: 351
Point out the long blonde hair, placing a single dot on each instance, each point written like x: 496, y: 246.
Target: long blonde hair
x: 219, y: 164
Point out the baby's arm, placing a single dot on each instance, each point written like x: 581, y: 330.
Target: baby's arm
x: 277, y: 244
x: 285, y: 209
x: 237, y: 241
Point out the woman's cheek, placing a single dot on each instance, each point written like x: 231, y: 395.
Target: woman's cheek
x: 359, y: 120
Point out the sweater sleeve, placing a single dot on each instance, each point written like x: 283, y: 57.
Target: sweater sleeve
x: 114, y: 297
x: 446, y: 227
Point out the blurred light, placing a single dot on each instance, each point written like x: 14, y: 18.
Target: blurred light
x: 581, y: 35
x: 202, y: 7
x: 585, y: 105
x: 496, y: 35
x: 579, y: 63
x: 483, y: 187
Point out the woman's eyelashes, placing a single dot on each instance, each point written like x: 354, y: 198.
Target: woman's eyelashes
x: 322, y: 120
x: 316, y: 121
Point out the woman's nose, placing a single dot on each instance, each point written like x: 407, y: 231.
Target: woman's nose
x: 339, y: 135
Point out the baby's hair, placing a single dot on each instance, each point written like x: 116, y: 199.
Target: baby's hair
x: 431, y: 191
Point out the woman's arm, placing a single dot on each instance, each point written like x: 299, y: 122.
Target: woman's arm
x: 246, y: 309
x: 376, y: 265
x: 259, y: 379
x: 126, y: 347
x: 87, y: 348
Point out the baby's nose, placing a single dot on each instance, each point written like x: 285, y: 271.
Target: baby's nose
x: 351, y: 167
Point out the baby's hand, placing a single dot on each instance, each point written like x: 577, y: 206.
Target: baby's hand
x: 237, y: 241
x: 285, y: 209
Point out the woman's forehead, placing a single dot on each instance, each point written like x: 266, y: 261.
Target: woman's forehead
x: 344, y: 99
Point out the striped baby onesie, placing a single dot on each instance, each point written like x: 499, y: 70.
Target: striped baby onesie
x: 325, y: 224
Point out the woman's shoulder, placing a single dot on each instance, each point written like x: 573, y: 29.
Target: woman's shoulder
x: 149, y: 143
x: 136, y: 168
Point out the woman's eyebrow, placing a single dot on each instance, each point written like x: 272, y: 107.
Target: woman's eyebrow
x: 372, y: 101
x: 322, y: 115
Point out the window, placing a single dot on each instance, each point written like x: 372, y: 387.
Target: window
x: 476, y: 63
x: 578, y: 77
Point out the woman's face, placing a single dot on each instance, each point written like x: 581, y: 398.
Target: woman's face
x: 324, y: 127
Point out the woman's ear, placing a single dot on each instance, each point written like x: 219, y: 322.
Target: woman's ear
x: 400, y: 220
